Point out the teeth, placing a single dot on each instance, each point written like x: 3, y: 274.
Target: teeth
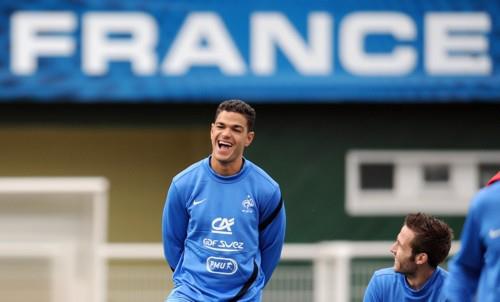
x: 225, y: 144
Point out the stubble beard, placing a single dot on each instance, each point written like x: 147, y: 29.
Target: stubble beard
x: 408, y: 267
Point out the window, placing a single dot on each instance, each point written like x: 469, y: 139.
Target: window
x: 392, y: 182
x: 376, y: 176
x: 436, y: 174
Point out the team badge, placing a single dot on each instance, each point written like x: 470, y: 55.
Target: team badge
x: 248, y: 205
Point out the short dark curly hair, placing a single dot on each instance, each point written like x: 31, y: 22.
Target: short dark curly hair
x: 240, y: 107
x: 432, y: 236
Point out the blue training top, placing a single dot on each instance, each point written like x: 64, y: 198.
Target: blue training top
x: 389, y: 286
x: 475, y: 269
x: 222, y: 236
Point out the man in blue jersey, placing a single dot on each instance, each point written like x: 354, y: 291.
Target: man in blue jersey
x: 423, y: 242
x: 475, y: 270
x: 224, y: 221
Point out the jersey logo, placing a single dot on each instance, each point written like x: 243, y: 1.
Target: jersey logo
x: 223, y: 266
x: 197, y: 202
x: 223, y: 245
x: 222, y: 225
x: 494, y: 233
x: 248, y: 205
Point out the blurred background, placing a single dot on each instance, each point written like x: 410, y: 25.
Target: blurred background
x: 365, y: 112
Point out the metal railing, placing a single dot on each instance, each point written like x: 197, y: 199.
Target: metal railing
x: 318, y: 272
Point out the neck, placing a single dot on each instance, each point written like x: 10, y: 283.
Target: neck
x: 417, y: 280
x: 226, y: 169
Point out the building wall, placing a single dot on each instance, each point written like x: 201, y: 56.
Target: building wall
x: 139, y: 148
x: 305, y: 146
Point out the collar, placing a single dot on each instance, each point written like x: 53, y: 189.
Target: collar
x: 231, y: 178
x: 494, y: 179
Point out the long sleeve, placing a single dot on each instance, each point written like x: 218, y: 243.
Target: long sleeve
x: 466, y: 266
x: 174, y: 226
x: 272, y: 236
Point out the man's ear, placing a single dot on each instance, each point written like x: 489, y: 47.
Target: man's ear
x: 421, y: 258
x: 250, y: 137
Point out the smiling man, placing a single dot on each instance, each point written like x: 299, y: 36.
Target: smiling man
x: 422, y: 244
x: 224, y: 220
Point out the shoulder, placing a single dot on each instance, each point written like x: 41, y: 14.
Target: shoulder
x: 441, y: 275
x: 382, y: 285
x: 260, y: 175
x: 266, y: 189
x: 191, y: 171
x: 442, y: 272
x: 486, y: 197
x: 385, y: 273
x: 489, y: 192
x: 384, y: 277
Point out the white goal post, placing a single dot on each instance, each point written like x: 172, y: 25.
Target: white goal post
x: 57, y: 223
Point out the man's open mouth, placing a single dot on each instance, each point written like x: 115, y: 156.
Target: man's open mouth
x: 224, y: 145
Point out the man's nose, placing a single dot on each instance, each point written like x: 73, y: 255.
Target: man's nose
x: 393, y: 249
x: 226, y: 132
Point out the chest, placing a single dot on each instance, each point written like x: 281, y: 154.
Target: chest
x: 226, y: 209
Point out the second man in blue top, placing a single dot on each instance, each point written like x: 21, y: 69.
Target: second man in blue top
x: 422, y: 244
